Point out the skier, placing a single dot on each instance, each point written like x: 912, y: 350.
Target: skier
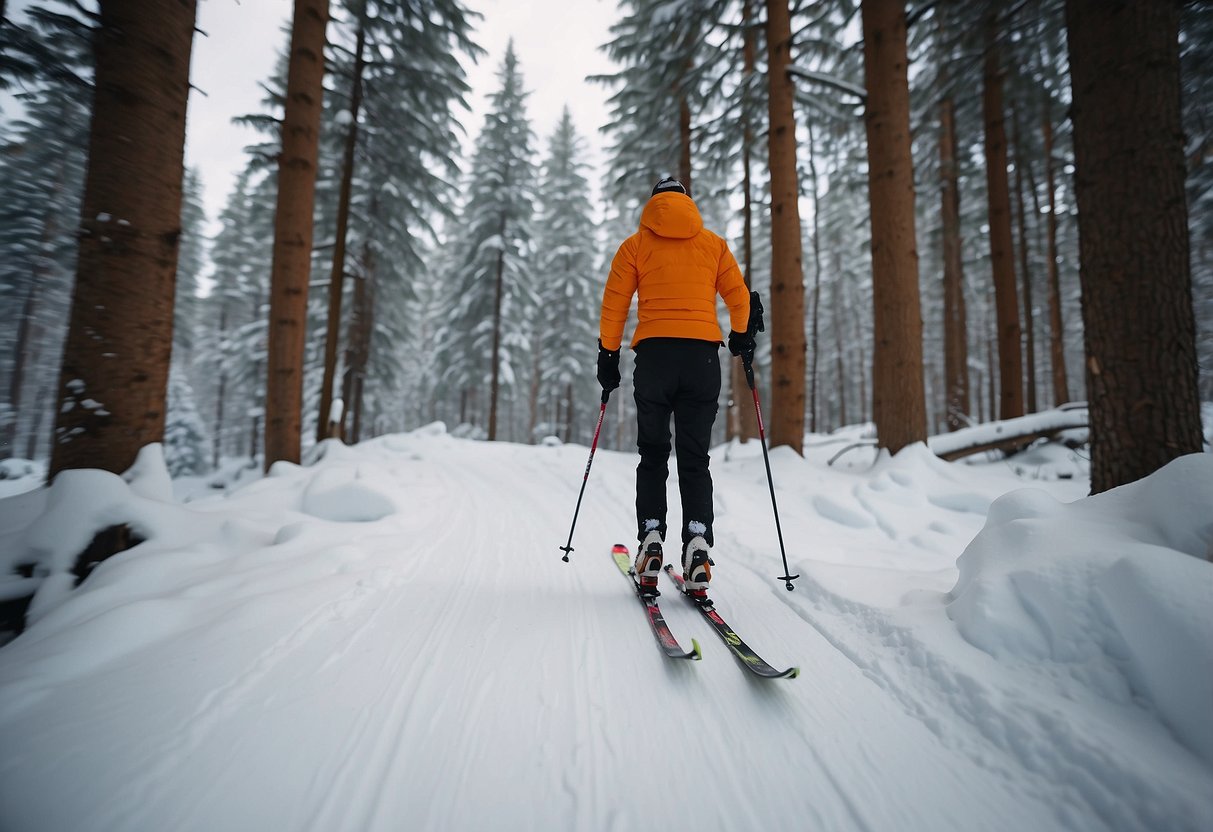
x: 678, y: 267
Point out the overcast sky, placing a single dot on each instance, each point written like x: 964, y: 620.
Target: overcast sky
x: 556, y: 40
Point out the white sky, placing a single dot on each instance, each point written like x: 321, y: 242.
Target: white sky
x: 556, y: 40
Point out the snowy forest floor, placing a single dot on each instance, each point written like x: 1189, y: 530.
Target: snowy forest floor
x: 389, y: 640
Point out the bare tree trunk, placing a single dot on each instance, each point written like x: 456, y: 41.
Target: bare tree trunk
x: 34, y: 437
x: 815, y: 314
x: 842, y: 388
x: 787, y: 274
x: 533, y: 395
x: 1138, y: 322
x: 898, y: 399
x: 1010, y: 360
x: 114, y: 374
x: 16, y: 381
x: 495, y: 385
x: 337, y: 273
x: 221, y: 392
x: 684, y: 142
x: 1025, y: 271
x: 744, y: 424
x: 1057, y: 347
x: 955, y: 327
x: 293, y: 228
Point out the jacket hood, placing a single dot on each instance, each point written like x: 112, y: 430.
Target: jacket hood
x: 672, y: 215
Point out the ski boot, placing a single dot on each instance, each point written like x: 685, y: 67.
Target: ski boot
x: 648, y: 564
x: 697, y: 569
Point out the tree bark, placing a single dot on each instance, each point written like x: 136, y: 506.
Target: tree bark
x: 787, y: 274
x: 1138, y: 321
x: 114, y: 374
x: 337, y: 273
x: 815, y: 313
x: 955, y: 330
x: 499, y: 292
x: 221, y: 389
x: 293, y: 228
x: 1057, y: 347
x: 1010, y: 359
x: 898, y: 398
x: 292, y: 232
x: 744, y: 424
x: 1025, y: 271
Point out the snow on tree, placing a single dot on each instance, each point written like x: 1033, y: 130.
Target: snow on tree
x: 568, y: 285
x: 187, y: 444
x: 492, y: 292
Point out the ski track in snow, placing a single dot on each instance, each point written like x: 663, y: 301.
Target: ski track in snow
x: 454, y: 674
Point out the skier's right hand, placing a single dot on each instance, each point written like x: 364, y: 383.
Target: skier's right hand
x: 608, y: 368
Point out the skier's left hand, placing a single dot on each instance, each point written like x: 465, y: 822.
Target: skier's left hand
x: 742, y: 344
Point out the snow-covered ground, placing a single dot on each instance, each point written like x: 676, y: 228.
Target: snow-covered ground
x: 389, y: 640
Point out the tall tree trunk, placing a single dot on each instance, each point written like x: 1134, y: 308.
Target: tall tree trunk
x: 568, y: 412
x: 1138, y: 322
x: 1010, y: 360
x: 684, y: 141
x: 366, y: 326
x: 744, y: 425
x: 337, y: 273
x: 1025, y: 272
x: 787, y: 275
x: 815, y: 314
x: 1057, y: 346
x: 16, y: 381
x: 221, y: 391
x: 293, y: 228
x: 114, y: 375
x: 499, y: 292
x: 955, y: 328
x: 898, y: 399
x: 841, y: 368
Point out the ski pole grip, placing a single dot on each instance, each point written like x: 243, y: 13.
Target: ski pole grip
x: 606, y: 394
x: 749, y: 373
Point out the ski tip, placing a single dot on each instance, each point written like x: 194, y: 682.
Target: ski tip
x: 698, y: 653
x: 619, y: 547
x: 792, y: 673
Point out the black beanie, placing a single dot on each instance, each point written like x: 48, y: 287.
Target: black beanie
x: 667, y: 185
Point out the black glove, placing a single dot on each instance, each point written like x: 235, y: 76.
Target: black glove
x: 742, y: 344
x: 756, y: 310
x: 608, y: 368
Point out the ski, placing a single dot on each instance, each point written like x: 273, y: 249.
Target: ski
x: 661, y: 630
x: 750, y: 660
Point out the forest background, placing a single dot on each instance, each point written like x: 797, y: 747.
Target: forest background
x: 456, y: 258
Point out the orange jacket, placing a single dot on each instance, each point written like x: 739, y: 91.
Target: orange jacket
x: 678, y: 267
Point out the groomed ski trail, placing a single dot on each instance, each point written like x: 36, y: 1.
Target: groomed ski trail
x: 454, y: 674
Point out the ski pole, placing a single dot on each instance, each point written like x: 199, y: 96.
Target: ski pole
x: 568, y: 547
x: 762, y: 438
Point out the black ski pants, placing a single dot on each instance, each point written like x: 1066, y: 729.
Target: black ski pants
x: 677, y: 377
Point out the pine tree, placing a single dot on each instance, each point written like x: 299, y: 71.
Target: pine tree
x: 232, y: 339
x: 114, y: 375
x: 787, y: 274
x: 1136, y: 279
x: 293, y: 232
x: 565, y: 260
x: 187, y: 446
x: 487, y: 339
x: 402, y: 173
x: 42, y: 162
x: 191, y: 261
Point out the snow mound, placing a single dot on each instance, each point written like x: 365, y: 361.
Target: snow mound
x: 1128, y: 614
x: 340, y: 493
